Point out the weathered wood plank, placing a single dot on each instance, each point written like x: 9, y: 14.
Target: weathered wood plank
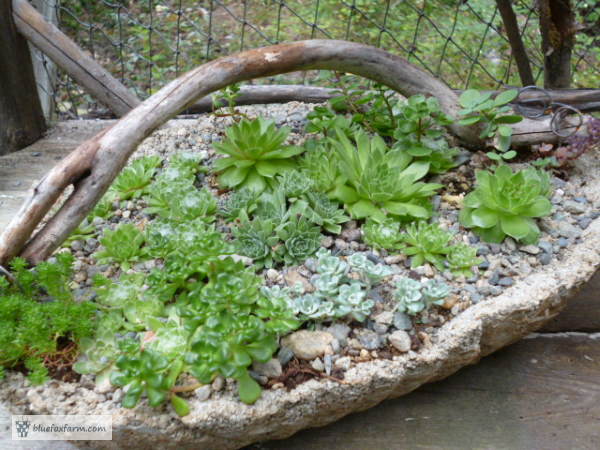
x: 582, y: 312
x: 21, y: 116
x: 541, y: 393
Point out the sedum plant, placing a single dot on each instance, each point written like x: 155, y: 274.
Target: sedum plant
x: 42, y: 324
x: 379, y: 182
x: 122, y: 245
x: 254, y: 154
x: 414, y: 297
x: 506, y: 203
x: 336, y: 294
x: 178, y: 200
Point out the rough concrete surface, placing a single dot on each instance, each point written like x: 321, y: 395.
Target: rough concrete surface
x: 225, y: 423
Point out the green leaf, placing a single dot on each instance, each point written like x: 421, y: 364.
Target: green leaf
x: 539, y: 208
x: 510, y: 154
x: 156, y: 397
x: 364, y: 208
x: 508, y: 119
x: 248, y: 388
x: 233, y: 176
x: 484, y: 218
x: 506, y: 97
x: 255, y: 182
x: 515, y: 226
x: 270, y: 168
x: 469, y: 98
x: 181, y: 407
x: 469, y: 120
x: 505, y: 130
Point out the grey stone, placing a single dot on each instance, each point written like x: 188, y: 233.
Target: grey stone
x: 351, y: 234
x: 402, y: 321
x: 284, y: 355
x: 343, y: 363
x: 545, y: 259
x: 400, y: 340
x: 340, y: 331
x: 340, y: 244
x: 327, y: 241
x: 328, y: 362
x: 510, y: 243
x: 368, y: 339
x: 476, y: 297
x: 318, y: 365
x: 218, y: 383
x: 574, y: 207
x: 545, y: 246
x: 393, y: 259
x: 270, y: 369
x: 384, y: 317
x: 495, y: 248
x: 567, y: 230
x: 483, y: 250
x: 485, y: 265
x: 308, y: 344
x: 563, y: 243
x: 380, y: 328
x: 584, y: 222
x: 506, y: 281
x: 203, y: 393
x: 530, y: 249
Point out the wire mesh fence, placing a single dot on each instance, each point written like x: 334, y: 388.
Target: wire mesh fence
x: 147, y: 43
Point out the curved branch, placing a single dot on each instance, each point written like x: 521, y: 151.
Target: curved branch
x: 94, y: 164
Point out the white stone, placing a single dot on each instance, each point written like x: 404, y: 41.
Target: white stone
x: 400, y: 340
x: 308, y: 344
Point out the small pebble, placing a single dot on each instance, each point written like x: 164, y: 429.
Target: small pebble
x: 584, y: 222
x: 531, y: 249
x: 318, y: 365
x: 545, y: 259
x: 506, y: 281
x: 545, y: 246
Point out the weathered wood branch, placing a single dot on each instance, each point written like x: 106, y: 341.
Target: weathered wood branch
x: 516, y: 43
x: 92, y: 167
x: 75, y: 62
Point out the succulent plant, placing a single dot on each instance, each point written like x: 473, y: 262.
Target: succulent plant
x: 256, y: 240
x: 321, y: 211
x: 379, y: 182
x: 351, y: 301
x: 369, y: 272
x: 300, y: 240
x: 434, y: 292
x: 327, y: 285
x: 462, y: 258
x: 239, y: 205
x: 409, y: 297
x: 255, y: 154
x: 506, y: 202
x: 426, y: 243
x: 294, y: 183
x: 382, y: 235
x: 329, y: 264
x: 320, y: 165
x: 132, y: 181
x: 122, y: 245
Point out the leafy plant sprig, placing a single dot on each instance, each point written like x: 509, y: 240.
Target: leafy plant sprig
x: 494, y: 115
x: 132, y: 180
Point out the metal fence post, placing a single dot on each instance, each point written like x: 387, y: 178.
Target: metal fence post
x: 21, y: 117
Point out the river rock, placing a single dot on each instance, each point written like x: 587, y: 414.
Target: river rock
x: 308, y: 344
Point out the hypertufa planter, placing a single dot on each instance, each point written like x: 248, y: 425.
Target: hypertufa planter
x: 227, y: 423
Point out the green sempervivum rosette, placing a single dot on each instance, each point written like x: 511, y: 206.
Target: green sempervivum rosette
x: 378, y: 182
x: 506, y: 203
x: 255, y: 154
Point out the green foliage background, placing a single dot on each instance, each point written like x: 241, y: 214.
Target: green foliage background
x: 147, y: 43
